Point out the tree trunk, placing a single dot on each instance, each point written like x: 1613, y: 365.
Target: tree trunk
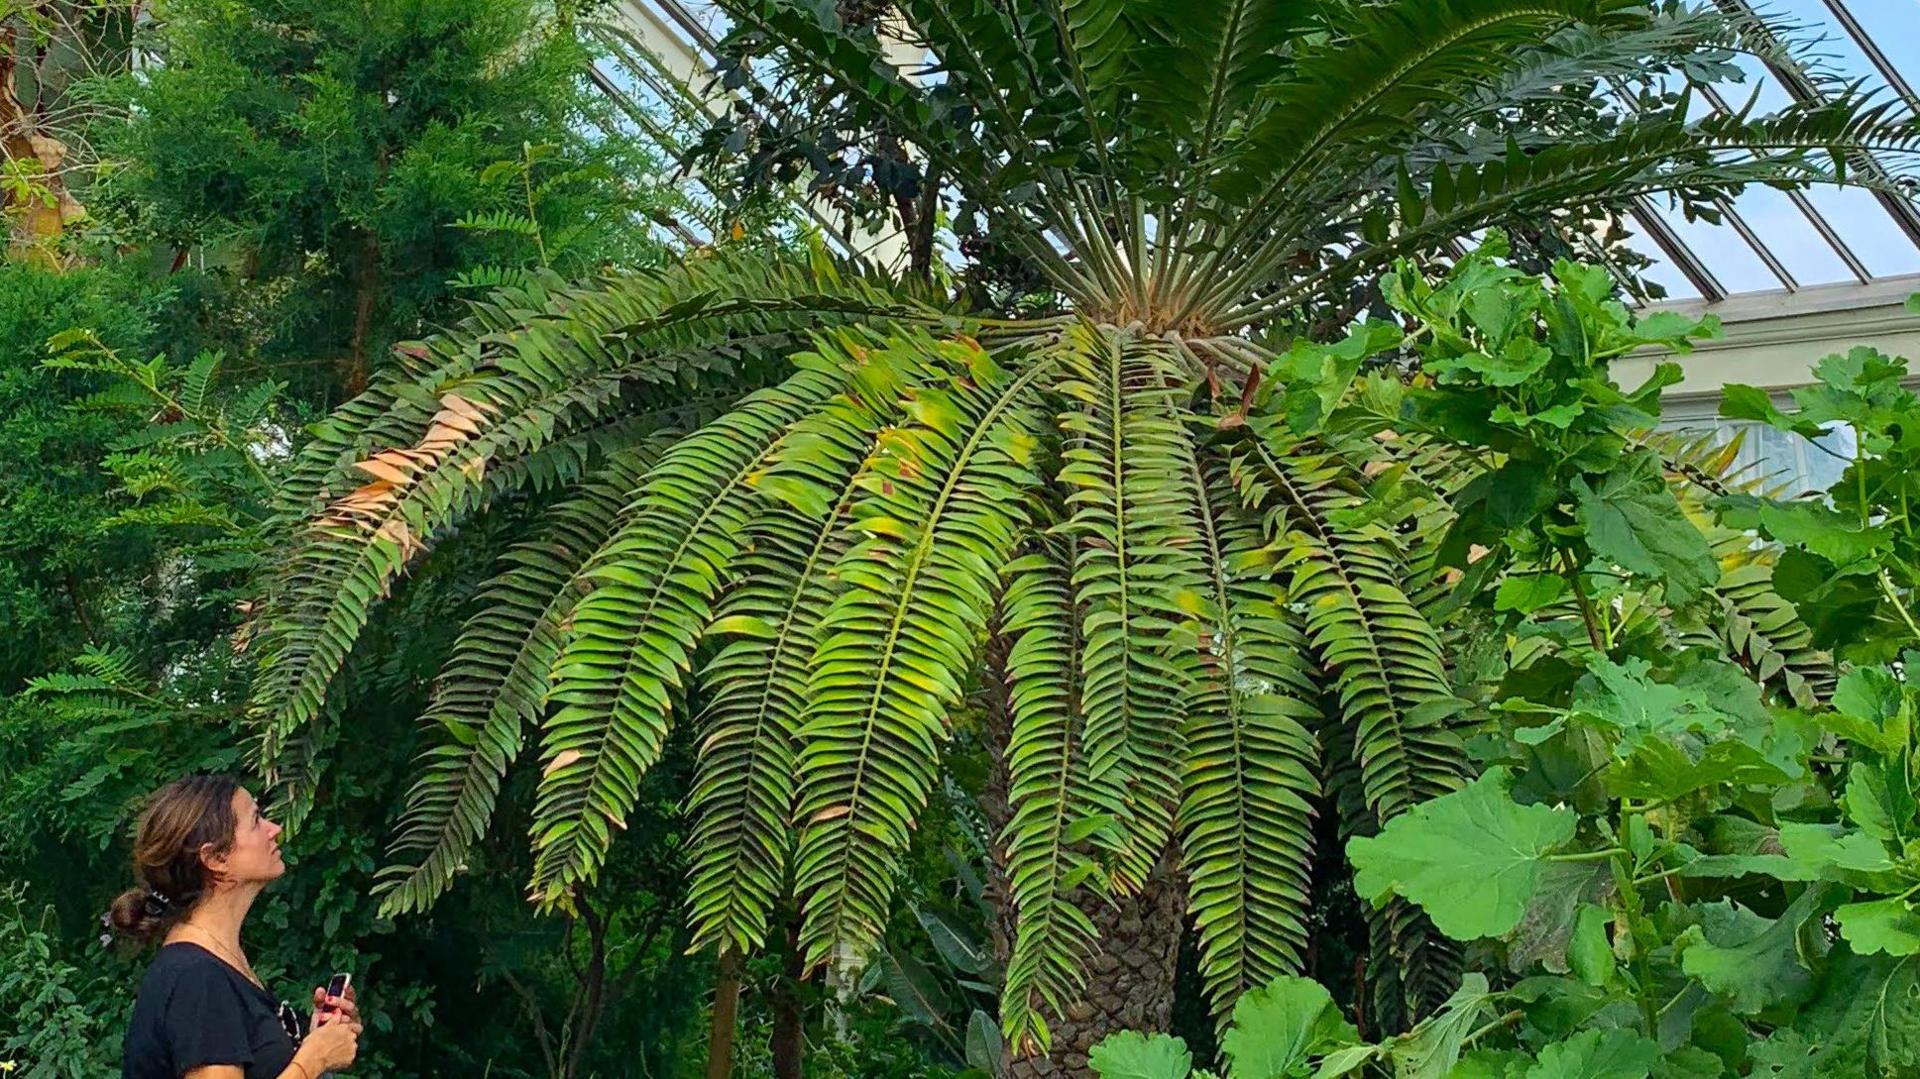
x: 789, y: 1041
x: 366, y: 291
x: 1131, y: 971
x: 726, y: 1007
x: 1130, y: 974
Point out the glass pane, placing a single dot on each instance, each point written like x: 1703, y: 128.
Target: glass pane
x: 1891, y: 25
x: 1779, y: 459
x: 1791, y: 237
x: 1863, y: 223
x: 1724, y: 253
x: 1837, y: 54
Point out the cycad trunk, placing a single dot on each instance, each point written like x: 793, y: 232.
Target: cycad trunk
x: 1130, y: 978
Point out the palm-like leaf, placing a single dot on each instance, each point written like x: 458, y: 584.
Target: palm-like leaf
x: 1252, y: 782
x: 1211, y: 619
x: 941, y: 501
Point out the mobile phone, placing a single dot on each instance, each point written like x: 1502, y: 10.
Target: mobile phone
x: 337, y: 986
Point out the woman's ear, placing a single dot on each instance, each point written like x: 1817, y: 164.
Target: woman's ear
x: 214, y: 863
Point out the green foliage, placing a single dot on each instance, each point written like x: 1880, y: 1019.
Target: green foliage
x: 1849, y: 559
x: 1218, y: 608
x: 1472, y: 859
x: 371, y: 159
x: 51, y: 1023
x: 1671, y: 868
x: 52, y: 534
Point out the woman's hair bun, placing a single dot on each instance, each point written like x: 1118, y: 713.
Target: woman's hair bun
x: 135, y: 914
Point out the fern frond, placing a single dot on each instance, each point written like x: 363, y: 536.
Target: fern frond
x: 494, y: 686
x: 1051, y: 807
x: 1129, y: 465
x: 742, y: 800
x: 1388, y: 676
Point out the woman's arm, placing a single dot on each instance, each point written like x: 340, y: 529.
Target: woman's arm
x: 320, y: 1053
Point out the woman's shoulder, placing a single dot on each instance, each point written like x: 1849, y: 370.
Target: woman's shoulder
x: 178, y: 962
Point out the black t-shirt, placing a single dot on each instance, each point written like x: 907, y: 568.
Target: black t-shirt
x: 194, y: 1010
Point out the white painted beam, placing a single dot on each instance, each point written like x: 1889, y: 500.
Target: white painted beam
x: 1773, y: 339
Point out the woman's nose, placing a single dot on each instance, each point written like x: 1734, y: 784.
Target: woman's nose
x: 273, y: 830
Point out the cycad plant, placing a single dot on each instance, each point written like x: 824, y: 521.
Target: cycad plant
x: 801, y: 502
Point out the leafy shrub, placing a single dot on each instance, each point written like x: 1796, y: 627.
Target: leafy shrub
x: 1671, y: 864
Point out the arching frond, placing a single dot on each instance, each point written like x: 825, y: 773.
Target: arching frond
x: 634, y: 633
x: 1051, y: 806
x: 1128, y: 463
x: 1385, y: 669
x: 1252, y: 779
x: 461, y: 414
x: 742, y: 800
x: 494, y: 685
x: 940, y: 503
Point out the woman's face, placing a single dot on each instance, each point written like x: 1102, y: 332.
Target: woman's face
x: 255, y: 857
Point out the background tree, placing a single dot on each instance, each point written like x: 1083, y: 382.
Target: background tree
x: 1212, y: 634
x: 369, y: 154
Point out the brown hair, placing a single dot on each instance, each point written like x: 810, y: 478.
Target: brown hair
x: 180, y: 819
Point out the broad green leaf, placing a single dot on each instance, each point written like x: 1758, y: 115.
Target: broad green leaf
x: 1277, y: 1028
x: 1471, y: 859
x: 1886, y: 926
x: 1829, y: 850
x: 1133, y: 1055
x: 1750, y: 960
x: 1529, y: 592
x: 1590, y: 953
x: 1632, y: 520
x: 1625, y: 700
x: 1875, y: 708
x: 1866, y: 1021
x: 985, y: 1049
x: 1513, y: 363
x: 1431, y: 1049
x: 1880, y: 799
x: 1489, y: 1064
x: 1347, y: 1061
x: 1545, y: 933
x: 1597, y: 1054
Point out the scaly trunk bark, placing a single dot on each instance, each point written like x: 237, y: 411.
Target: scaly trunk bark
x: 1130, y: 975
x: 1130, y: 979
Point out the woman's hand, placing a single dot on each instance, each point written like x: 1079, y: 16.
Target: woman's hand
x: 330, y: 1046
x: 328, y: 1009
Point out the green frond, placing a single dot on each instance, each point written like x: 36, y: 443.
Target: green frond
x: 494, y: 686
x: 1051, y: 807
x: 742, y: 800
x: 1649, y: 156
x: 1253, y: 762
x: 633, y: 635
x: 496, y: 397
x: 1388, y: 672
x: 941, y: 499
x: 1382, y: 69
x: 1128, y: 465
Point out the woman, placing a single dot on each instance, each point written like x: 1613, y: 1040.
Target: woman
x: 204, y: 852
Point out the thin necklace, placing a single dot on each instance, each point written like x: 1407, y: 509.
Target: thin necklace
x: 239, y: 961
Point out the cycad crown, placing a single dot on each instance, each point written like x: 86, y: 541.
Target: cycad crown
x: 816, y: 493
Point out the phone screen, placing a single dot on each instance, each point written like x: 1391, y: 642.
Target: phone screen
x: 337, y: 985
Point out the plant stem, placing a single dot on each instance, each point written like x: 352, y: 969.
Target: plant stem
x: 1587, y: 613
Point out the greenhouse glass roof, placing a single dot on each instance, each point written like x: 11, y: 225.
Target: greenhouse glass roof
x: 1769, y: 241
